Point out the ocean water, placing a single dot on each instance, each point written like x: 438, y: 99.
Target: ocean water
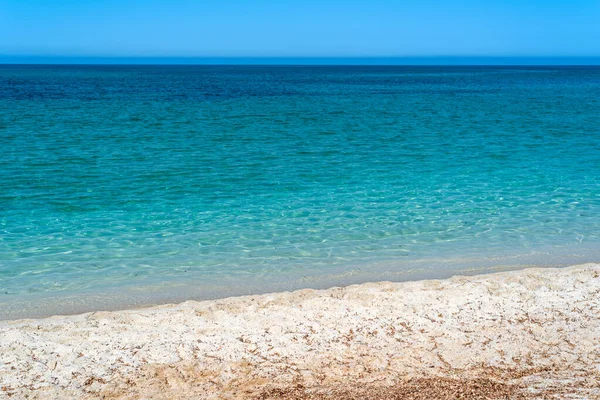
x: 131, y: 185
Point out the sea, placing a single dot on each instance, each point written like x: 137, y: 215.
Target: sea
x: 126, y: 186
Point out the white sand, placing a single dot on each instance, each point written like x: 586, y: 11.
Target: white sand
x: 537, y: 328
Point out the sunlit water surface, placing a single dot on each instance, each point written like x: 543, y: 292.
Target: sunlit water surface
x: 123, y: 186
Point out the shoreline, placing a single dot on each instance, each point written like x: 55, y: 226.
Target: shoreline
x: 122, y: 298
x: 518, y: 334
x: 157, y: 291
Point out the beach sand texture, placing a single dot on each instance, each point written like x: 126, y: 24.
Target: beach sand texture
x: 533, y: 333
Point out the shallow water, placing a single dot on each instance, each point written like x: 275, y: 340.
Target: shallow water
x: 202, y: 181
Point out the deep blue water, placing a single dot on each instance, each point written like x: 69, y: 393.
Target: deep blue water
x: 167, y: 182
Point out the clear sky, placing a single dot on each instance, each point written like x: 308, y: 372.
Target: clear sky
x: 299, y: 28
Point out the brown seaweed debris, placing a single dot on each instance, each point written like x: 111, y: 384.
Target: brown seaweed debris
x: 413, y: 389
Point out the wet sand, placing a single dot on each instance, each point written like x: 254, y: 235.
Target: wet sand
x: 533, y: 333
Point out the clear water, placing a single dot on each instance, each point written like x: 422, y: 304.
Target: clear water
x: 128, y: 185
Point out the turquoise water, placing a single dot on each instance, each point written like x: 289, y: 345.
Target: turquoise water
x: 132, y: 185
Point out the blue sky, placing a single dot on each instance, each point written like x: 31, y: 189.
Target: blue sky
x: 290, y: 28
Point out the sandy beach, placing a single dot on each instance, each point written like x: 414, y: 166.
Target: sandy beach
x: 533, y: 333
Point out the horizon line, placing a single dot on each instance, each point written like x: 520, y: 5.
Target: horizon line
x: 431, y: 60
